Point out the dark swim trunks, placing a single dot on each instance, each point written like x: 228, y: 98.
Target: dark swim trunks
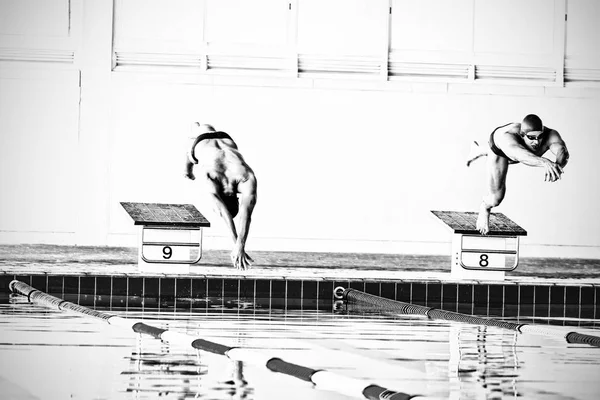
x: 495, y: 148
x: 206, y: 136
x: 232, y: 203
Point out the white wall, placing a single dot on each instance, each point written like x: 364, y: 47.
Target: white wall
x: 346, y: 161
x: 344, y: 169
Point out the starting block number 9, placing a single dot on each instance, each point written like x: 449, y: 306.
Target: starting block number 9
x: 484, y: 260
x: 169, y: 253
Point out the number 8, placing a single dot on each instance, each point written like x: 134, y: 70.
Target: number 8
x: 483, y: 260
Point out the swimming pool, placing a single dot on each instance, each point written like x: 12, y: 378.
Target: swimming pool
x: 50, y: 354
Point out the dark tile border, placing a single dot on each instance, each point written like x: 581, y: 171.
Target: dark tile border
x: 501, y: 299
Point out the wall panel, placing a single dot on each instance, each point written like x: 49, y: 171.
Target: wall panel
x: 425, y: 25
x: 425, y: 43
x: 249, y: 36
x: 35, y: 17
x: 158, y: 25
x: 39, y: 30
x: 582, y: 64
x: 341, y: 36
x: 158, y: 33
x: 511, y: 42
x: 514, y: 27
x: 521, y: 41
x: 262, y: 22
x: 342, y: 27
x: 38, y: 154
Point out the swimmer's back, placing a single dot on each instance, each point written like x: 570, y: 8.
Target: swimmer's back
x: 221, y: 157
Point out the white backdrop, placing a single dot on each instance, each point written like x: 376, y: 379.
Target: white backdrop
x: 350, y: 156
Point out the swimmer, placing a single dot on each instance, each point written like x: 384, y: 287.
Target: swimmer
x: 525, y: 142
x: 227, y: 184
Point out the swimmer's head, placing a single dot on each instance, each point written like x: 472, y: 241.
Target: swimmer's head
x: 532, y: 123
x: 532, y: 130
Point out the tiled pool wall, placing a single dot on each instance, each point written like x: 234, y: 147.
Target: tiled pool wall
x: 509, y: 299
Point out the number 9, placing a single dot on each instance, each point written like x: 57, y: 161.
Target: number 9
x: 167, y: 252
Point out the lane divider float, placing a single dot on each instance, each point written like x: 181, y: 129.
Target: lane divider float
x: 322, y: 379
x: 356, y: 296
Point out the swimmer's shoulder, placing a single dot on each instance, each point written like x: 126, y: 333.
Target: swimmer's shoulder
x: 507, y: 134
x: 512, y: 128
x: 507, y: 131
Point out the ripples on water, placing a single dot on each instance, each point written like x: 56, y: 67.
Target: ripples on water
x: 50, y: 354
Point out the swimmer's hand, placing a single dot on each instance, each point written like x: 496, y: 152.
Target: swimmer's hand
x: 189, y: 170
x: 240, y: 259
x: 552, y: 171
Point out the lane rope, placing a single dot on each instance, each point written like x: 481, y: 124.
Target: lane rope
x: 356, y: 296
x: 322, y: 379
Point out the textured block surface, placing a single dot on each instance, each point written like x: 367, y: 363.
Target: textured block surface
x: 466, y: 223
x: 157, y: 214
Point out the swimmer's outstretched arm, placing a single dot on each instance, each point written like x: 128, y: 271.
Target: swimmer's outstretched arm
x: 247, y: 191
x: 515, y: 151
x: 559, y: 149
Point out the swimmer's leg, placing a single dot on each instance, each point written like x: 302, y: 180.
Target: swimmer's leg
x: 483, y: 218
x: 497, y: 170
x: 476, y: 151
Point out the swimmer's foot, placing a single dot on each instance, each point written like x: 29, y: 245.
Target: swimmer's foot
x: 483, y: 220
x: 475, y: 152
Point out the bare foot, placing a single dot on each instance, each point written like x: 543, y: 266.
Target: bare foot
x: 475, y: 152
x: 483, y: 220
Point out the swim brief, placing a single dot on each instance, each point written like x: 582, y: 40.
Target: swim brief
x: 232, y: 203
x: 495, y: 148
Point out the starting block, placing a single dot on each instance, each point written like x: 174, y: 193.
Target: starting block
x: 170, y: 237
x: 476, y: 256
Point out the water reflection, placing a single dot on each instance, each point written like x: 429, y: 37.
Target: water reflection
x: 483, y: 362
x: 157, y: 368
x: 53, y: 354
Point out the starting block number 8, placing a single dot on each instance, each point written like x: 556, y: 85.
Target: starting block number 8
x: 488, y: 253
x: 483, y: 260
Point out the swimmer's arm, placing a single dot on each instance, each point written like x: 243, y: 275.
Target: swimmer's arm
x: 189, y: 168
x: 517, y: 152
x: 247, y: 191
x: 190, y: 159
x: 558, y: 147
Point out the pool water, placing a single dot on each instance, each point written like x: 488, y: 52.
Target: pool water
x: 48, y: 354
